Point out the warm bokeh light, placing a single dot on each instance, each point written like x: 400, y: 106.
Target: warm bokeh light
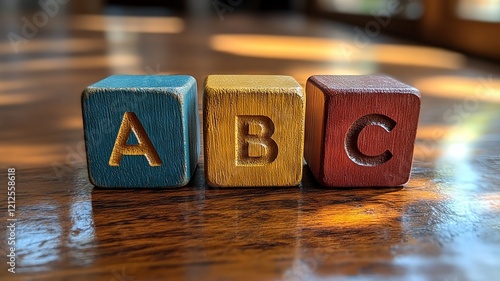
x: 324, y: 50
x: 11, y: 85
x: 57, y: 45
x: 71, y: 123
x: 456, y: 87
x: 29, y: 155
x: 432, y: 132
x: 15, y: 99
x: 281, y: 47
x: 128, y: 24
x: 118, y: 61
x: 419, y: 56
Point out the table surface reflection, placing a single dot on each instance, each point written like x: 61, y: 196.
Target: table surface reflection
x: 443, y: 225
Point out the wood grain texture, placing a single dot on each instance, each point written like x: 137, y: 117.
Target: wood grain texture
x: 142, y: 130
x: 360, y: 130
x: 253, y: 130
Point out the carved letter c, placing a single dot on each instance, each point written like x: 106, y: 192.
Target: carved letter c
x: 351, y: 140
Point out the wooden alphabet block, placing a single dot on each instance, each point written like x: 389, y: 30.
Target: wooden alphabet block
x: 253, y: 130
x: 360, y: 130
x: 141, y: 130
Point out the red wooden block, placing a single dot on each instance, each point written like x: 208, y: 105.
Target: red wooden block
x: 360, y: 130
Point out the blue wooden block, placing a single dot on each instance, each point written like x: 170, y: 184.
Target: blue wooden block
x: 141, y: 130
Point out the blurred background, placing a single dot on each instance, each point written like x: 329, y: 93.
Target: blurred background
x: 50, y: 50
x: 470, y: 26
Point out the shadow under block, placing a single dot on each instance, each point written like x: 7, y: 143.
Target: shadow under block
x: 253, y: 130
x: 141, y: 130
x: 360, y: 130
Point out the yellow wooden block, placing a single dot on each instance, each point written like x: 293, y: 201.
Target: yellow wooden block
x: 253, y: 130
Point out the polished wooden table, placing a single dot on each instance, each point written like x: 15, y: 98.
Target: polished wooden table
x: 443, y: 225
